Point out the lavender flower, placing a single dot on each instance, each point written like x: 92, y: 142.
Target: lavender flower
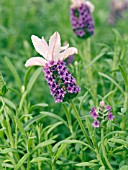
x: 96, y: 124
x: 110, y: 116
x: 81, y: 19
x: 101, y: 114
x: 61, y: 83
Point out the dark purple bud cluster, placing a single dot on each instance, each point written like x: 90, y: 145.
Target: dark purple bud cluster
x: 82, y: 21
x: 61, y: 83
x: 101, y: 114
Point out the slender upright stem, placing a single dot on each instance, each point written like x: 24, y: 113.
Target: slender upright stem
x: 89, y: 72
x: 80, y: 123
x: 92, y: 135
x: 68, y: 115
x: 103, y: 149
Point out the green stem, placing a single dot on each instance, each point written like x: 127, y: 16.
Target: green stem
x: 80, y: 123
x: 92, y: 134
x: 89, y: 68
x: 103, y: 149
x: 88, y: 59
x: 68, y: 115
x: 53, y: 166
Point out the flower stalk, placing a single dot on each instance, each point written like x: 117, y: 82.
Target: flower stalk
x: 80, y: 123
x: 103, y: 149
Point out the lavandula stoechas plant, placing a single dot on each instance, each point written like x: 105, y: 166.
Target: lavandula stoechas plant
x: 81, y: 18
x: 61, y: 83
x: 101, y: 114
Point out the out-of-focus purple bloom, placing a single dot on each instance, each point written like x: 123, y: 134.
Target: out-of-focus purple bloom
x: 101, y: 114
x: 96, y: 124
x: 108, y: 107
x: 81, y: 18
x: 110, y: 116
x: 93, y: 109
x: 94, y: 115
x: 70, y: 60
x: 117, y: 8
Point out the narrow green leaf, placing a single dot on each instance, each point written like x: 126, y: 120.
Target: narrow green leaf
x: 124, y: 74
x: 46, y: 143
x: 7, y: 150
x: 7, y: 165
x: 125, y: 167
x: 33, y: 79
x: 55, y: 116
x: 21, y: 161
x: 115, y: 132
x: 54, y: 149
x: 86, y: 164
x: 14, y: 72
x: 53, y: 127
x: 113, y: 81
x: 20, y: 126
x: 95, y: 59
x: 22, y: 100
x: 9, y: 103
x: 36, y: 106
x: 32, y: 120
x: 120, y: 141
x: 40, y: 159
x: 102, y: 168
x: 27, y: 74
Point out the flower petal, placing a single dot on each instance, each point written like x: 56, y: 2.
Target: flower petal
x: 54, y: 46
x: 35, y: 61
x: 77, y: 3
x: 40, y: 45
x: 90, y: 5
x: 64, y: 47
x: 68, y: 52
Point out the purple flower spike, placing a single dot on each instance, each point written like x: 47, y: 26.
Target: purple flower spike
x: 96, y: 124
x: 60, y: 81
x: 81, y: 18
x: 110, y: 116
x: 101, y: 114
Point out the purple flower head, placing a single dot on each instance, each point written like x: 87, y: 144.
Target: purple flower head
x: 81, y: 19
x: 60, y: 81
x: 110, y: 116
x: 96, y: 124
x: 54, y: 68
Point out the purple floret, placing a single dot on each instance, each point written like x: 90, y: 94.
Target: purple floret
x: 96, y: 124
